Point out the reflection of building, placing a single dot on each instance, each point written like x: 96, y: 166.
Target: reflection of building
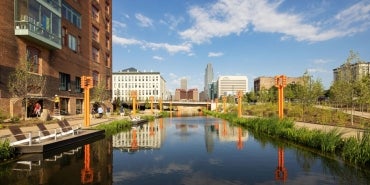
x: 146, y: 84
x: 225, y: 133
x: 147, y: 136
x: 60, y: 40
x: 230, y: 85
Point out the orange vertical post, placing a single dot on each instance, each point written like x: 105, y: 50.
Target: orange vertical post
x: 240, y: 95
x: 133, y: 96
x: 280, y: 83
x: 86, y: 84
x: 160, y: 105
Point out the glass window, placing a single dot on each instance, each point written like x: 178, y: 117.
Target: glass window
x: 72, y: 44
x: 65, y: 82
x: 71, y: 15
x: 33, y: 59
x: 78, y: 85
x: 95, y: 54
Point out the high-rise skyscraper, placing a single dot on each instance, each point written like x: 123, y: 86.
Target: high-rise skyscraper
x: 184, y: 83
x: 208, y: 78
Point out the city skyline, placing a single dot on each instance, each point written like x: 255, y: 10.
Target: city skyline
x: 238, y: 37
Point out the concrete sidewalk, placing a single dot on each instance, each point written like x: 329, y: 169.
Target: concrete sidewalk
x: 347, y: 132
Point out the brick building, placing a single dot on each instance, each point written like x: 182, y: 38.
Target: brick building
x: 265, y: 83
x: 186, y: 95
x: 61, y: 40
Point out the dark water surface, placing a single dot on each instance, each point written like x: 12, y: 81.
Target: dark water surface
x: 189, y: 151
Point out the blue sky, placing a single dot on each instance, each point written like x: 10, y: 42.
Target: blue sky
x: 239, y: 37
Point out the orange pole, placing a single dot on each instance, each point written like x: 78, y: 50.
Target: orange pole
x: 240, y: 94
x: 86, y: 84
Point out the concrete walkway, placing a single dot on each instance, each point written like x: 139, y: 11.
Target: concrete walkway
x: 347, y: 132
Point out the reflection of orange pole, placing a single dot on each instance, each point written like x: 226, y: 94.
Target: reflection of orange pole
x: 134, y: 139
x: 151, y: 129
x: 281, y: 173
x: 240, y: 142
x: 87, y: 174
x: 160, y: 123
x: 224, y: 130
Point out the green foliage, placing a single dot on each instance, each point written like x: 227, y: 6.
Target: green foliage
x: 100, y: 92
x: 6, y: 151
x: 356, y: 151
x: 114, y: 127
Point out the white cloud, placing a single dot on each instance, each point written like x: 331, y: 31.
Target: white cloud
x: 158, y: 58
x: 227, y: 17
x: 143, y: 20
x: 172, y: 21
x: 119, y: 24
x: 318, y: 70
x: 125, y: 41
x: 321, y: 61
x: 170, y: 48
x: 213, y: 54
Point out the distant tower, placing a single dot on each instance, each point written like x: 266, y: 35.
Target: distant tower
x: 208, y: 78
x: 184, y: 83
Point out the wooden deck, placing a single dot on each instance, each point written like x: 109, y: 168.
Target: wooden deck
x: 50, y: 145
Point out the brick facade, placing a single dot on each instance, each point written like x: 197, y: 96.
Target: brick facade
x: 53, y: 61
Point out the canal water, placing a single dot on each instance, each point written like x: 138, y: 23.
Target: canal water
x: 183, y: 150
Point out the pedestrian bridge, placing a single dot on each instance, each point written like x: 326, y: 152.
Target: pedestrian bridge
x: 183, y: 106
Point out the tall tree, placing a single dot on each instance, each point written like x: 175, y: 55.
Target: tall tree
x: 24, y: 84
x: 100, y: 93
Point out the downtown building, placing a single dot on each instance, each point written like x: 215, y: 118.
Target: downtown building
x: 208, y: 78
x: 230, y: 85
x: 187, y: 95
x: 60, y: 40
x: 146, y: 85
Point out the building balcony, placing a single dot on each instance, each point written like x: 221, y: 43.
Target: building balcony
x: 37, y: 33
x: 39, y: 21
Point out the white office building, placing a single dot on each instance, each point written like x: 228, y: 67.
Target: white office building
x: 230, y: 85
x: 146, y: 84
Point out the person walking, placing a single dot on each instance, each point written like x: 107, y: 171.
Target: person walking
x: 100, y: 112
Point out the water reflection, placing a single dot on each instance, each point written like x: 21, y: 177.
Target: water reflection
x: 191, y: 150
x: 85, y: 164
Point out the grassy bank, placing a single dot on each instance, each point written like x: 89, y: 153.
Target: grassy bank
x: 353, y: 150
